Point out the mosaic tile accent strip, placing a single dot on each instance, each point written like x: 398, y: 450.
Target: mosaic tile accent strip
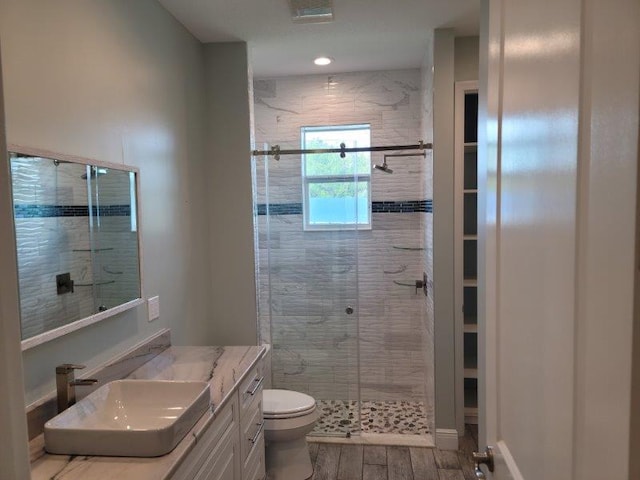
x: 402, y: 206
x: 280, y: 209
x: 47, y: 211
x: 400, y: 417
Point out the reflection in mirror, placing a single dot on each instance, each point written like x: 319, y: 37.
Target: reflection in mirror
x: 77, y: 243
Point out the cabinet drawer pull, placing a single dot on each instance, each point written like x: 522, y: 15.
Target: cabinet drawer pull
x: 254, y: 440
x: 256, y: 386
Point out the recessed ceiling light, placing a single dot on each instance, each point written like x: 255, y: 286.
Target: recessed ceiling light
x: 322, y: 61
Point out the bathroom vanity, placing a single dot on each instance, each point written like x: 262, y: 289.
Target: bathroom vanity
x: 227, y: 442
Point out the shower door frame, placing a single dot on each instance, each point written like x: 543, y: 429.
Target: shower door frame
x: 276, y: 152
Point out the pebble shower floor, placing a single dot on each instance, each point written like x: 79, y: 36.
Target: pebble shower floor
x: 338, y: 416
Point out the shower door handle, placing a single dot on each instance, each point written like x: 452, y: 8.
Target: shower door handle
x: 422, y: 285
x: 348, y: 310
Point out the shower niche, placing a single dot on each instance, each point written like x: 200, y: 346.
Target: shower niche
x: 77, y: 243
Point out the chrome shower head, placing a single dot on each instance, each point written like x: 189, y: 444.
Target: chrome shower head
x: 383, y: 168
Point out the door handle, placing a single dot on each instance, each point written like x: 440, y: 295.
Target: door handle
x: 480, y: 458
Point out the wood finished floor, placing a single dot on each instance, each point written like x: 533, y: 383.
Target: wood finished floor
x: 368, y: 462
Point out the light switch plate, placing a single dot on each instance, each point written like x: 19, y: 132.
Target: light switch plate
x: 153, y: 307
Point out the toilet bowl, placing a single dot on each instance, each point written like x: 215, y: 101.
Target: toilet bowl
x: 288, y: 417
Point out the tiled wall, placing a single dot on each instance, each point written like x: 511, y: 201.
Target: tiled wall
x: 53, y: 237
x: 306, y: 279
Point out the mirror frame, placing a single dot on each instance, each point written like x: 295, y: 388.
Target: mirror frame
x: 97, y: 317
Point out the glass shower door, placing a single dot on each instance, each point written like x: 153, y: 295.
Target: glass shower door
x: 308, y: 293
x: 114, y: 237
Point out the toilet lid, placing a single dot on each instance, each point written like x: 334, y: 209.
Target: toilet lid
x: 280, y: 403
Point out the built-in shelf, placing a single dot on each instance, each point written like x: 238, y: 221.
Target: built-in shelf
x: 471, y: 416
x: 470, y: 354
x: 470, y: 328
x: 405, y: 283
x: 92, y: 249
x: 97, y: 284
x: 412, y: 249
x: 466, y: 244
x: 471, y: 393
x: 471, y: 373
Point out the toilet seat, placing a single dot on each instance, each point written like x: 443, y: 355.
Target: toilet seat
x: 283, y: 404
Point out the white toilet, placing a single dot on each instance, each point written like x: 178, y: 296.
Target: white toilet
x: 288, y: 417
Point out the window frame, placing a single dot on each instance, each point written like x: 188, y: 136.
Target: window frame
x: 355, y: 178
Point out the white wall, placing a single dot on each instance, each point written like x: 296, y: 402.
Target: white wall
x: 455, y: 59
x: 443, y: 232
x: 13, y: 443
x: 608, y: 148
x: 466, y: 58
x: 634, y: 444
x: 123, y: 82
x: 232, y: 291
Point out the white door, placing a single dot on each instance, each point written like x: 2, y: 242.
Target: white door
x: 558, y: 147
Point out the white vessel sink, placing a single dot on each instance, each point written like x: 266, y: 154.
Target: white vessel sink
x: 129, y: 418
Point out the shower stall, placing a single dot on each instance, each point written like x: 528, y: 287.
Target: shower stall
x: 342, y: 251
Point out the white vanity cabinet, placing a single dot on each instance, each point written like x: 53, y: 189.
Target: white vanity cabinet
x: 232, y: 447
x: 216, y: 455
x: 252, y: 424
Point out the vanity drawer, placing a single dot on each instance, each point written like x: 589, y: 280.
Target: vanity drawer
x: 221, y: 462
x: 251, y: 387
x: 226, y: 421
x: 252, y: 432
x: 255, y: 466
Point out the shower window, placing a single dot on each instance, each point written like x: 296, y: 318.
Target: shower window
x: 337, y: 191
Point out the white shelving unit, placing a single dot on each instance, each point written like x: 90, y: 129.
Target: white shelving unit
x: 466, y: 249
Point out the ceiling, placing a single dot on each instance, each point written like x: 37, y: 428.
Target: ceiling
x: 365, y: 34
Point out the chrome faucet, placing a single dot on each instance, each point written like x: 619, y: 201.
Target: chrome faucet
x: 66, y: 384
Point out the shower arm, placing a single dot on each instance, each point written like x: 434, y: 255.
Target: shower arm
x: 393, y: 155
x: 343, y: 150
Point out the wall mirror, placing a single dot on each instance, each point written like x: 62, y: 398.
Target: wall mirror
x: 77, y: 241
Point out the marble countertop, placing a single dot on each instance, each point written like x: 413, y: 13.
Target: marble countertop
x: 223, y: 367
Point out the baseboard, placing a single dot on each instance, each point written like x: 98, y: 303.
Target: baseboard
x: 446, y: 439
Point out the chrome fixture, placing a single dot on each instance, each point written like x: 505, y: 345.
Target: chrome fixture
x: 385, y: 168
x: 66, y: 384
x: 482, y: 458
x: 276, y: 151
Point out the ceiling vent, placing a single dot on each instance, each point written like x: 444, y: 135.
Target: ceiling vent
x: 311, y: 11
